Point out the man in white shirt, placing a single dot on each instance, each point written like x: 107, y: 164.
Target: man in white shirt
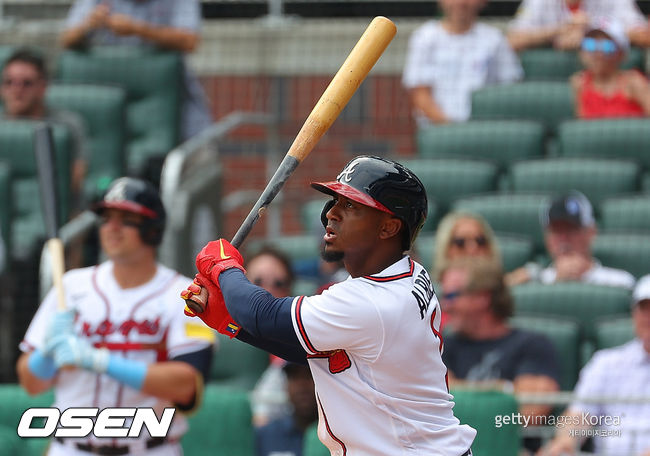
x: 621, y: 428
x: 569, y: 232
x: 563, y: 23
x: 448, y: 59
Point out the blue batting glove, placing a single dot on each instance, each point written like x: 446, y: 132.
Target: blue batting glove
x: 71, y: 350
x: 60, y: 326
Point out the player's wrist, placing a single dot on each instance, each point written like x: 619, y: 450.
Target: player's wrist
x: 41, y: 366
x: 127, y: 371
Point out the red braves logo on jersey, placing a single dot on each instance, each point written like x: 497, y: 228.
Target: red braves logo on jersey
x: 338, y: 360
x: 107, y: 327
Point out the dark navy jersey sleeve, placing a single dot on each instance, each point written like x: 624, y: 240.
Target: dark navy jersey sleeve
x: 265, y: 319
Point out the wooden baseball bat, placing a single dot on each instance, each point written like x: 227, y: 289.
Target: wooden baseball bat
x: 46, y: 167
x: 345, y: 82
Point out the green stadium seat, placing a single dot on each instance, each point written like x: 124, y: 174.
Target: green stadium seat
x: 628, y: 251
x: 581, y: 302
x: 516, y: 250
x: 614, y: 332
x: 152, y: 81
x: 615, y: 138
x: 222, y: 425
x: 500, y: 141
x: 480, y: 409
x: 310, y: 214
x: 236, y: 364
x: 14, y: 402
x: 298, y: 246
x: 510, y: 213
x: 625, y: 213
x: 551, y: 64
x: 565, y: 335
x: 103, y: 110
x: 597, y: 178
x: 17, y: 149
x: 446, y: 179
x: 312, y: 446
x: 549, y: 102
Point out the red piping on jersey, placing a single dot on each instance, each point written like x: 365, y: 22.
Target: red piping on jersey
x: 301, y: 326
x: 393, y: 277
x: 438, y: 334
x: 108, y: 312
x: 329, y: 430
x: 435, y: 331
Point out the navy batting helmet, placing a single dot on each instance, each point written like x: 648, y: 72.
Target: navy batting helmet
x: 140, y: 197
x: 384, y: 185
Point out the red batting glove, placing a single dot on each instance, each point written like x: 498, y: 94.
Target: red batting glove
x: 216, y: 257
x: 216, y: 314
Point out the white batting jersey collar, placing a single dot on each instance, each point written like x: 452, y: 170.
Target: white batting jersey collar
x: 398, y: 270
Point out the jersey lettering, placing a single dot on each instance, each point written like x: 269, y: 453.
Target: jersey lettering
x: 107, y: 327
x: 423, y: 292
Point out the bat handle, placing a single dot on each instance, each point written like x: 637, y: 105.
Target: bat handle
x: 55, y: 247
x: 286, y: 167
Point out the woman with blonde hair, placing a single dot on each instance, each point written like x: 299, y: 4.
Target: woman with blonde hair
x: 463, y: 233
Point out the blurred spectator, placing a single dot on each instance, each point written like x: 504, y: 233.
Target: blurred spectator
x: 284, y: 435
x: 450, y: 58
x: 615, y: 373
x: 570, y: 229
x: 461, y: 234
x: 167, y: 24
x: 562, y: 23
x: 271, y: 269
x: 482, y: 350
x: 24, y: 85
x: 603, y: 89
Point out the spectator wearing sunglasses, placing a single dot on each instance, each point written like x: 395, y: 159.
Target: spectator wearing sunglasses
x: 603, y: 89
x: 481, y: 349
x: 461, y: 234
x: 563, y: 23
x: 23, y: 90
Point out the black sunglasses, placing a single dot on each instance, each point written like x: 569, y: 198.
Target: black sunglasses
x: 459, y: 242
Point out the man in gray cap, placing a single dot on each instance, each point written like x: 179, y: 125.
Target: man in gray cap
x: 569, y: 232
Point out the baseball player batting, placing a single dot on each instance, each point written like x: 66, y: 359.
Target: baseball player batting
x: 120, y: 338
x: 372, y: 341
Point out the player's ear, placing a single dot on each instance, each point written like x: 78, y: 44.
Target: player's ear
x: 390, y: 227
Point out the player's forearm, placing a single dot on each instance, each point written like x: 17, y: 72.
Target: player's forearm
x: 168, y: 37
x: 256, y: 310
x: 175, y: 381
x: 28, y: 380
x: 74, y: 36
x: 520, y: 40
x: 422, y: 101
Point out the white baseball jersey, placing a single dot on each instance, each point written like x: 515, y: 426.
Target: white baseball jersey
x: 374, y: 349
x: 143, y: 323
x: 454, y: 65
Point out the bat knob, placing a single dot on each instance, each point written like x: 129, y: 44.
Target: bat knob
x: 195, y: 306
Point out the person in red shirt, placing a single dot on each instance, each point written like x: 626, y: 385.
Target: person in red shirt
x: 603, y: 89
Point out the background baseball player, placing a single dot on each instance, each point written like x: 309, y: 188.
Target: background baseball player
x: 372, y: 341
x: 121, y: 330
